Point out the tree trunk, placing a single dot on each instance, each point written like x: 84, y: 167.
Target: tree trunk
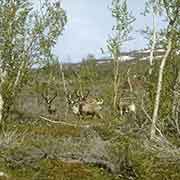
x: 18, y: 76
x: 1, y: 107
x: 2, y: 79
x: 116, y: 81
x: 129, y: 81
x: 153, y: 43
x: 65, y: 89
x: 176, y: 103
x: 159, y: 88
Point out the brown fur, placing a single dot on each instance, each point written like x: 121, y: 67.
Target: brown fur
x: 86, y: 106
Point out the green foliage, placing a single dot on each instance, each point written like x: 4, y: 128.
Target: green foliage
x: 170, y: 75
x: 160, y: 40
x: 126, y: 150
x: 162, y: 8
x: 47, y: 79
x: 88, y: 72
x: 121, y: 31
x: 122, y: 27
x: 149, y: 167
x: 27, y: 37
x: 172, y: 9
x: 86, y: 75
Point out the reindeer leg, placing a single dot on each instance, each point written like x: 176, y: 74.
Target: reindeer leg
x: 121, y: 111
x: 78, y: 120
x: 99, y: 115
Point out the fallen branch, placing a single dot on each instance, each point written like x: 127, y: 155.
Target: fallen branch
x: 64, y: 123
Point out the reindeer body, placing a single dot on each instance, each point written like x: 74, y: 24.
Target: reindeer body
x: 126, y: 107
x: 90, y: 108
x: 84, y: 106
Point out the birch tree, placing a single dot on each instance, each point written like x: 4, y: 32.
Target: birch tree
x: 153, y: 8
x: 121, y: 34
x: 172, y: 11
x: 27, y: 36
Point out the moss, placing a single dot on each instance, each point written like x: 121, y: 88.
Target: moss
x: 56, y: 131
x: 57, y: 170
x: 44, y: 129
x: 127, y: 154
x: 54, y: 169
x: 104, y: 132
x: 149, y: 167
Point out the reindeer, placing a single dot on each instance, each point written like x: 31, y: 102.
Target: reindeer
x: 128, y: 98
x: 85, y: 105
x: 49, y: 100
x: 126, y: 106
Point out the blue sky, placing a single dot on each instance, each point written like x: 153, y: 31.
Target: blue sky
x: 88, y: 27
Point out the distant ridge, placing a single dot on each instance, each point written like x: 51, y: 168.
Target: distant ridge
x: 140, y: 55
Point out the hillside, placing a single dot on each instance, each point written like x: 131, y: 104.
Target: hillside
x: 139, y: 55
x: 64, y: 116
x: 39, y: 145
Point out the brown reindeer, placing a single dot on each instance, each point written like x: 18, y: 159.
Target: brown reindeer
x: 85, y: 105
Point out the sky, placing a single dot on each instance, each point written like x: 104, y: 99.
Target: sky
x: 89, y: 25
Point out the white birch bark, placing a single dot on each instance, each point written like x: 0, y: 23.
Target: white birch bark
x: 129, y: 82
x: 65, y: 88
x: 18, y: 76
x: 159, y: 88
x: 176, y: 103
x: 116, y: 82
x: 154, y: 39
x: 1, y: 107
x: 2, y: 79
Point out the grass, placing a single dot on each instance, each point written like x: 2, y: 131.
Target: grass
x: 24, y: 161
x: 36, y: 157
x: 38, y: 150
x: 50, y: 170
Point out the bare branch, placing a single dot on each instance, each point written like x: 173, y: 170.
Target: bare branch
x: 64, y: 123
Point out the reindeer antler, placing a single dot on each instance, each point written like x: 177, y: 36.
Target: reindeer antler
x: 48, y: 99
x: 87, y: 93
x: 85, y: 96
x: 44, y: 97
x: 52, y: 99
